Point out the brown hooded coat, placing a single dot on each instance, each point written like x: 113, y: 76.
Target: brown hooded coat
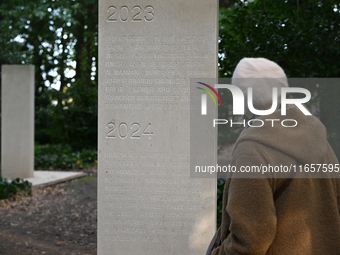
x: 279, y: 215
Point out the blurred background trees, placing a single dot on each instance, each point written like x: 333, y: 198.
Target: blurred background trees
x: 59, y: 37
x: 302, y: 36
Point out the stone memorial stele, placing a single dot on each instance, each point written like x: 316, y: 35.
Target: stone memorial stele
x: 148, y: 52
x: 17, y: 121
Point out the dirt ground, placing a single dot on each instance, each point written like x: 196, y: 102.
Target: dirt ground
x: 60, y: 219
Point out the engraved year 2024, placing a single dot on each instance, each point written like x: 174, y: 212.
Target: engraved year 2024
x: 123, y: 130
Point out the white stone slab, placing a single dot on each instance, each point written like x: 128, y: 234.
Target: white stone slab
x: 148, y: 51
x: 17, y: 121
x: 46, y: 178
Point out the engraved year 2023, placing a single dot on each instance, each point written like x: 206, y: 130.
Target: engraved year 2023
x: 135, y: 13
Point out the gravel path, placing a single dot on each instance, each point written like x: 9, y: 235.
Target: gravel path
x: 61, y: 219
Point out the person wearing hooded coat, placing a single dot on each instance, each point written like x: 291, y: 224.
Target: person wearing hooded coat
x: 285, y: 216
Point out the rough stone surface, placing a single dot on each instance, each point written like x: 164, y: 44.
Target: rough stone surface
x: 148, y: 51
x: 17, y: 121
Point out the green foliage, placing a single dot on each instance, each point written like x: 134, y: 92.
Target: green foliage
x: 63, y: 157
x: 301, y: 36
x: 291, y: 33
x: 73, y: 122
x: 58, y: 37
x: 9, y: 189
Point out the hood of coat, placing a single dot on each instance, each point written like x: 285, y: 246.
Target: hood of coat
x: 261, y: 75
x: 306, y: 142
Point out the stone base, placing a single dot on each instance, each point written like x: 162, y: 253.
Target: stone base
x: 46, y: 178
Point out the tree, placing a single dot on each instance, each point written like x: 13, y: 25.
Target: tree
x: 301, y: 36
x: 53, y: 35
